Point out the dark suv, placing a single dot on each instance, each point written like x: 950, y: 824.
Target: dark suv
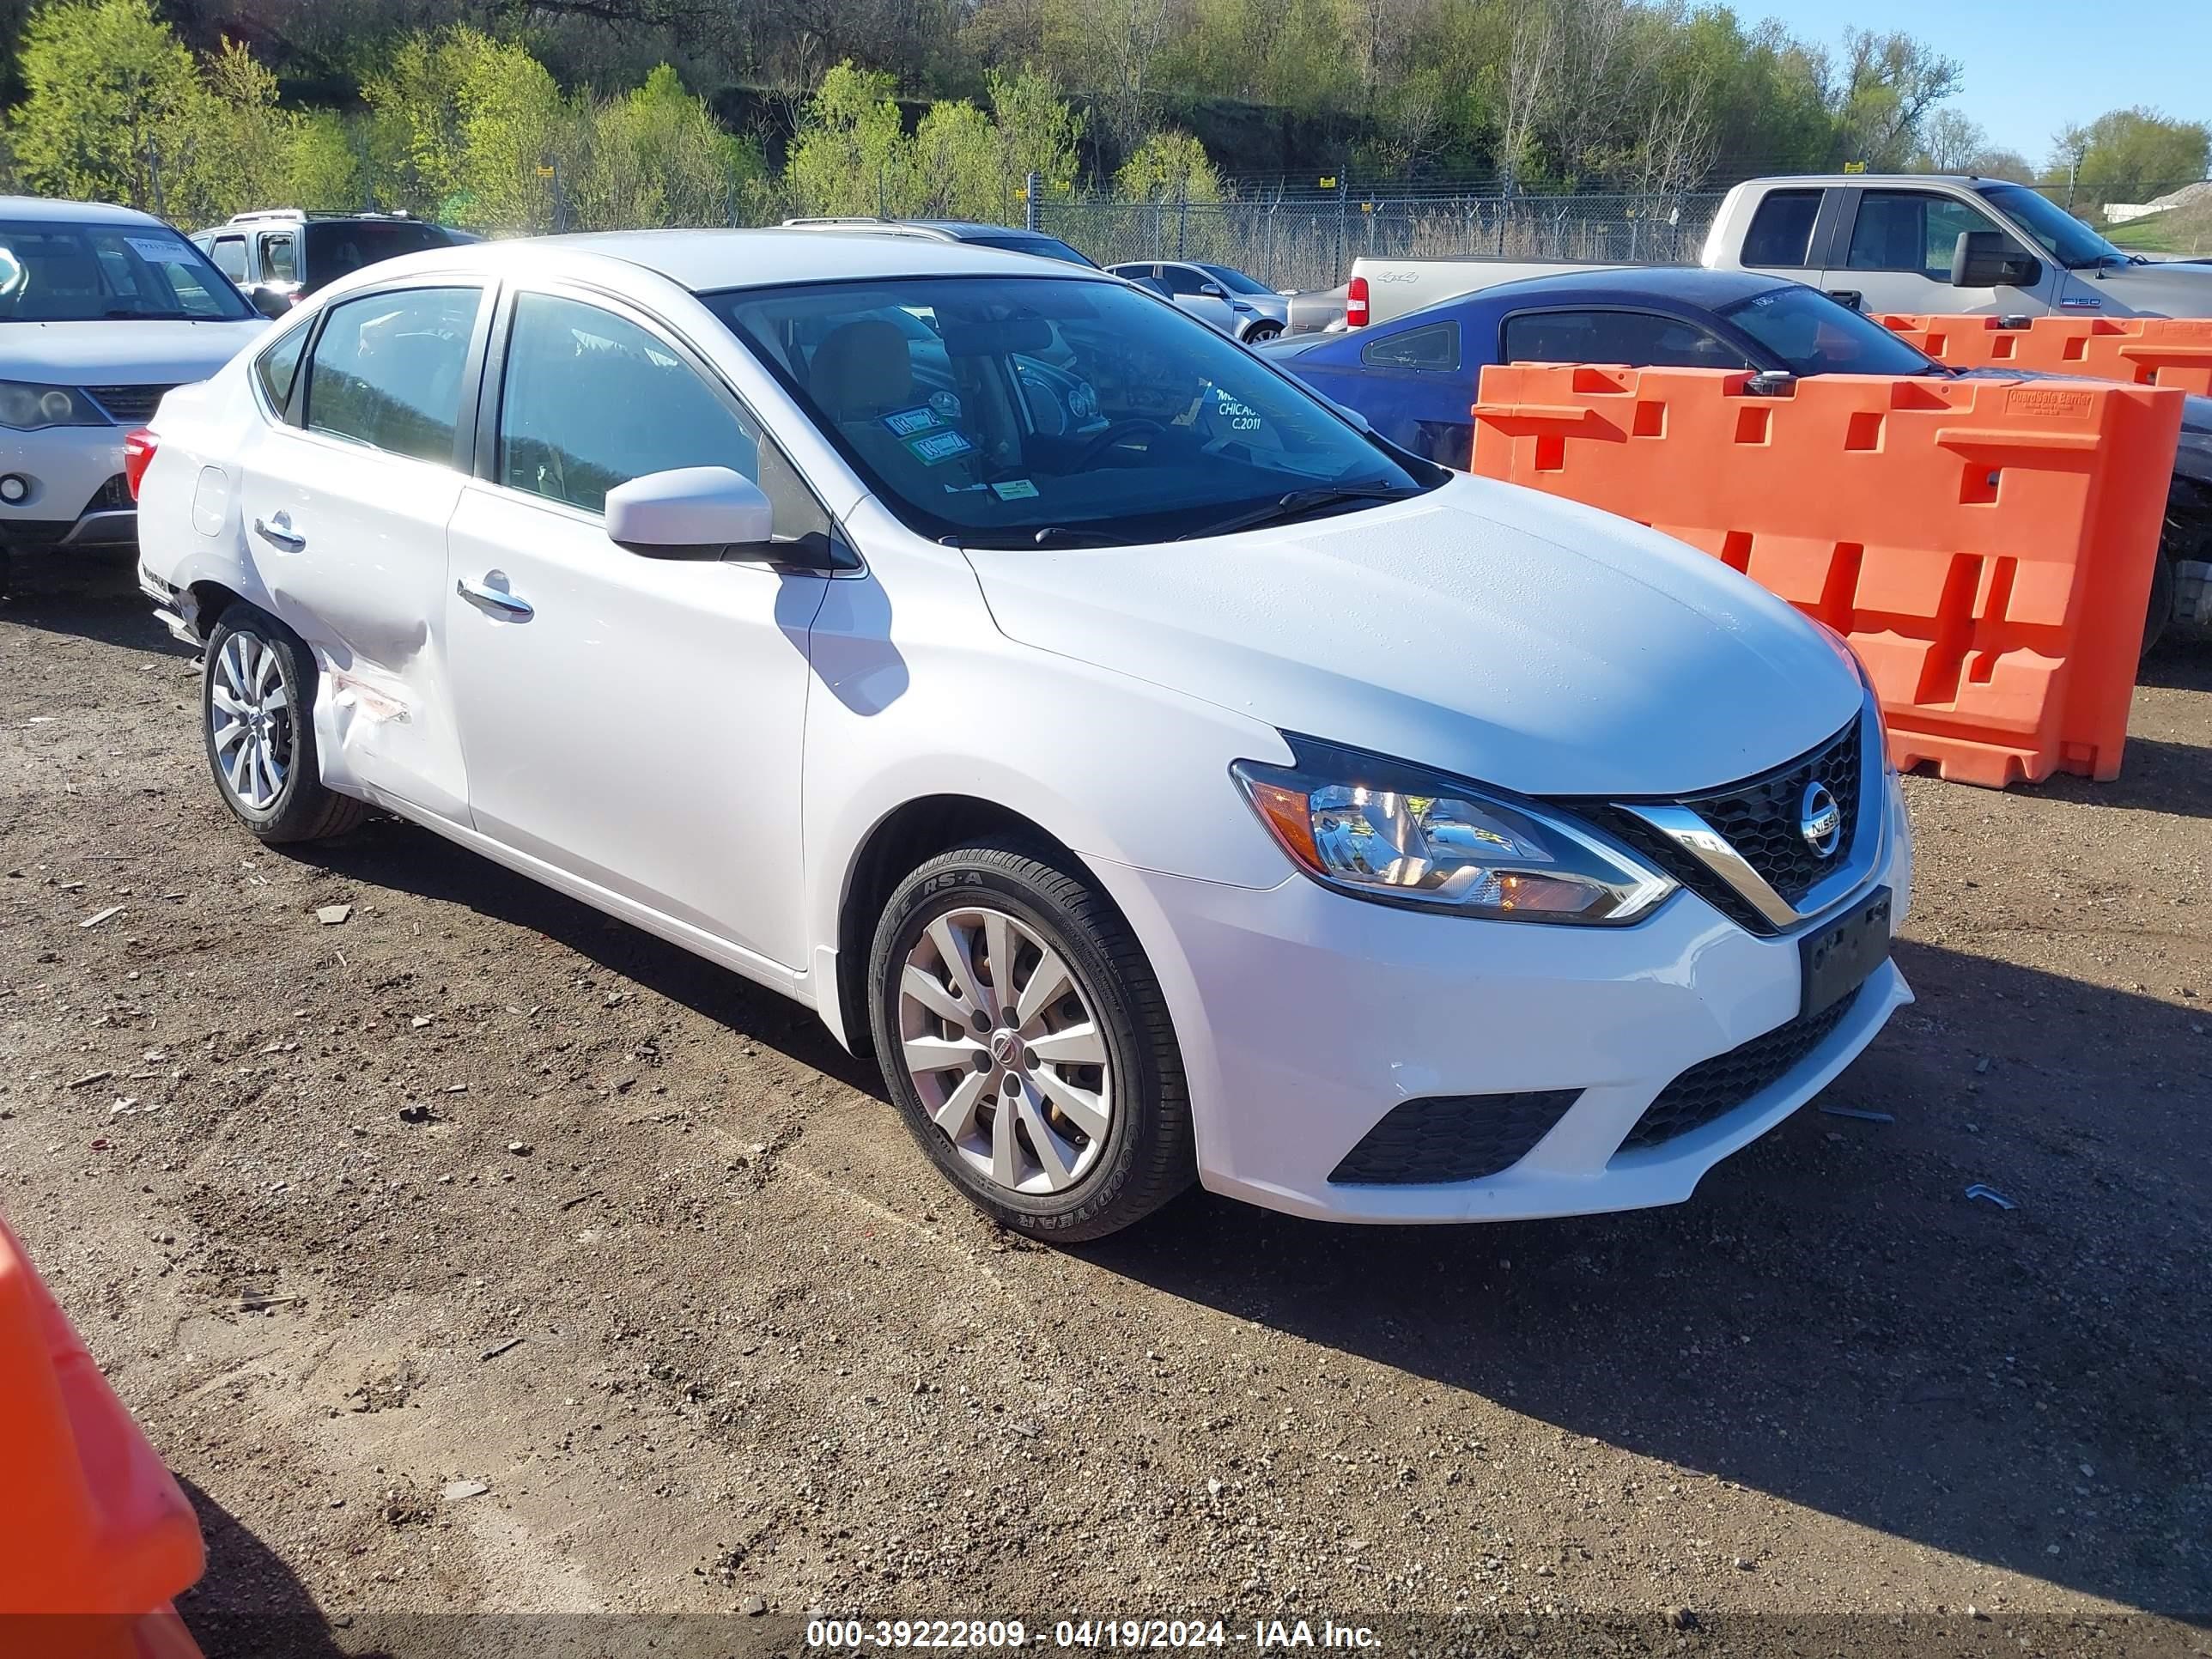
x: 280, y: 255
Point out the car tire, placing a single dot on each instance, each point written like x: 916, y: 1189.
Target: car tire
x: 2161, y: 613
x: 256, y: 717
x: 1089, y: 1147
x: 1259, y: 332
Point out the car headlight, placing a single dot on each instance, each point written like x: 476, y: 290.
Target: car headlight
x: 26, y: 407
x: 1380, y: 830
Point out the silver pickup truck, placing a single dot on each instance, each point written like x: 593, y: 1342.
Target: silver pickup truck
x: 1907, y: 242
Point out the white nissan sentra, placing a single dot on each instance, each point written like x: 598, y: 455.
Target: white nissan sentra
x: 1165, y: 778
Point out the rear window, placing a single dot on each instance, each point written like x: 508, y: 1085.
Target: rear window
x: 1781, y: 230
x: 346, y: 244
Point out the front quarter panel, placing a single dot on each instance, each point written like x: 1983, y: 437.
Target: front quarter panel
x: 917, y: 694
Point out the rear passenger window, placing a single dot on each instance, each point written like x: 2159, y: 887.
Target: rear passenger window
x: 387, y: 370
x: 1433, y: 345
x: 278, y: 367
x: 1781, y: 232
x: 1641, y: 339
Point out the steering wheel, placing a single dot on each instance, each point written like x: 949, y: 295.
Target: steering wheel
x: 1115, y: 435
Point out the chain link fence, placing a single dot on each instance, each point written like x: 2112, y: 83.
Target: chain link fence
x: 1307, y: 241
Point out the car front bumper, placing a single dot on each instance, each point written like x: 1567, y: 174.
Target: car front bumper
x: 76, y: 497
x: 1305, y: 1017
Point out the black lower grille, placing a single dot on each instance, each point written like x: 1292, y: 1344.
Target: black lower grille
x: 1452, y: 1137
x: 1714, y: 1087
x: 127, y: 406
x: 115, y: 493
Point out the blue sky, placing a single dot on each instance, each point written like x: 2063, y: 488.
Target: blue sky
x: 2032, y: 66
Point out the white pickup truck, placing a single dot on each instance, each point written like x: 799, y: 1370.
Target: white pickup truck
x: 1906, y: 242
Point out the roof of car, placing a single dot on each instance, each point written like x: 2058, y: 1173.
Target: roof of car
x: 707, y: 260
x: 1688, y: 285
x: 46, y: 207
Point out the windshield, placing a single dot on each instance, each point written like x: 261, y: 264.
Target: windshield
x: 1813, y: 335
x: 1040, y: 247
x: 59, y: 272
x: 2057, y: 232
x: 1235, y: 281
x: 986, y: 410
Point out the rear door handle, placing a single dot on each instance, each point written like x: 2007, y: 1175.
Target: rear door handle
x: 495, y: 601
x: 279, y: 535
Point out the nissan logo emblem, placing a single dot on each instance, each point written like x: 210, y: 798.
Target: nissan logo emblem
x: 1820, y: 820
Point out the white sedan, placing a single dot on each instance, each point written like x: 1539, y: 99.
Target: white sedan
x: 1163, y: 777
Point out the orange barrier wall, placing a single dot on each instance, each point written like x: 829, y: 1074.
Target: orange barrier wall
x: 2172, y: 352
x: 1985, y: 545
x: 90, y: 1521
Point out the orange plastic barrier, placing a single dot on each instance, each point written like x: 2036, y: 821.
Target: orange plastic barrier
x: 90, y: 1521
x: 2173, y: 351
x: 1985, y: 545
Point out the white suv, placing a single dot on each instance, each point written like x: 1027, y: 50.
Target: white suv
x: 1160, y: 775
x: 102, y: 310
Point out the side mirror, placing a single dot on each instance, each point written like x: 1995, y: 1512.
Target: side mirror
x: 1990, y: 258
x: 272, y: 302
x: 691, y: 513
x: 1213, y: 290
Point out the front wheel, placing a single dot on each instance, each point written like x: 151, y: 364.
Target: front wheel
x: 257, y: 708
x: 1026, y: 1043
x: 1259, y: 331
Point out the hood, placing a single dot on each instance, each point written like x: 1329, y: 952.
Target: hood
x: 2153, y: 290
x: 1484, y: 630
x: 123, y: 353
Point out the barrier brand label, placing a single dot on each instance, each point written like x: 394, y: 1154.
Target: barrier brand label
x: 2050, y: 400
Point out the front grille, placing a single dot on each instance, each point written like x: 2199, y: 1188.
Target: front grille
x: 127, y: 406
x: 1452, y: 1137
x: 115, y: 493
x: 1759, y: 817
x: 1712, y: 1088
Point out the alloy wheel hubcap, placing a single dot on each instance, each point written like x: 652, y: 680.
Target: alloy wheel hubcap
x: 1003, y: 1047
x: 250, y: 709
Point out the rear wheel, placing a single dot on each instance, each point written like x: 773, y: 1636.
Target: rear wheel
x: 257, y: 705
x: 1026, y: 1043
x: 2161, y: 598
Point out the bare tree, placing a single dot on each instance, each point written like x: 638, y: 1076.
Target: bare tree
x: 1528, y: 65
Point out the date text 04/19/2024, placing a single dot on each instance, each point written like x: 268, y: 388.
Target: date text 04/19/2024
x: 1267, y: 1635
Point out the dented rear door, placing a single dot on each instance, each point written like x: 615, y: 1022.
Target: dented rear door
x: 343, y: 511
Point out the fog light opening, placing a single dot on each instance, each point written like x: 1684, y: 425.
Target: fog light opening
x: 14, y: 488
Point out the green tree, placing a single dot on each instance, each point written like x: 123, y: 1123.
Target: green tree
x: 655, y: 157
x: 2133, y: 154
x: 851, y: 153
x: 1037, y: 130
x: 111, y: 103
x: 1169, y: 165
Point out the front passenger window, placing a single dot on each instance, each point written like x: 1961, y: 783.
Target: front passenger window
x: 387, y: 370
x: 591, y: 400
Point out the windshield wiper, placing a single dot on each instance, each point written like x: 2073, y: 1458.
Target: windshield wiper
x: 1297, y: 503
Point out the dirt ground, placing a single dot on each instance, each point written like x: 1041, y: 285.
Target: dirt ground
x: 480, y: 1187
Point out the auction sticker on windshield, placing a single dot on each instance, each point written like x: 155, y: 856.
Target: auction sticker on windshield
x: 935, y: 447
x: 908, y: 421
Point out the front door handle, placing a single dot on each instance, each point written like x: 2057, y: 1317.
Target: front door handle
x: 278, y: 534
x: 1846, y: 296
x: 494, y: 601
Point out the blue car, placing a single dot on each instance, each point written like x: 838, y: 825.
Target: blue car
x: 1414, y: 376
